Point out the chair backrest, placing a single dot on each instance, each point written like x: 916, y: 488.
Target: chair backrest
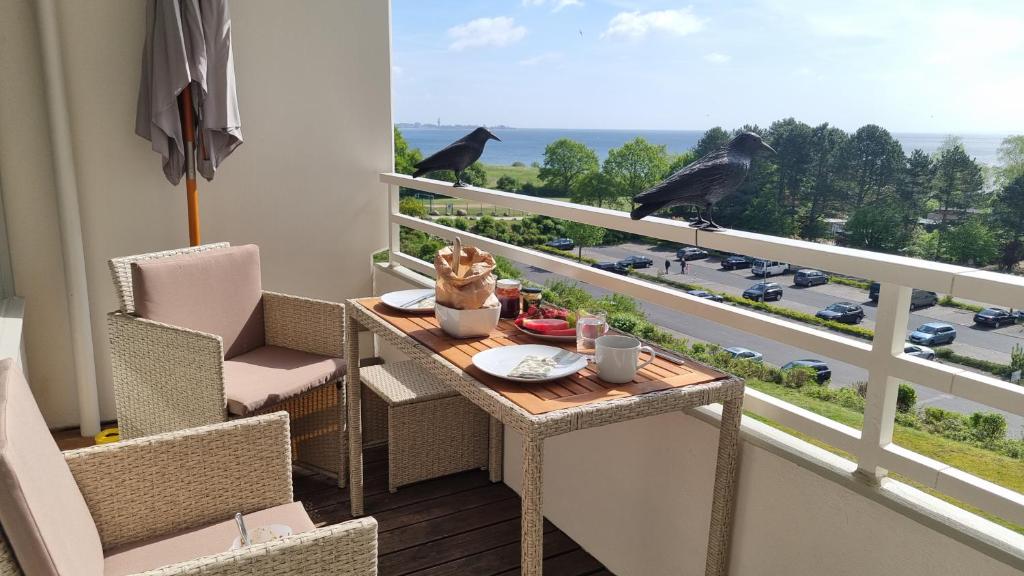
x: 42, y: 511
x: 121, y: 270
x: 216, y: 291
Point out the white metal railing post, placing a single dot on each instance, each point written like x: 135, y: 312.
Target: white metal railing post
x: 394, y: 228
x: 880, y: 403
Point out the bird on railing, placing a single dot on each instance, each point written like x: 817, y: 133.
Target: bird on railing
x: 705, y: 182
x: 456, y: 156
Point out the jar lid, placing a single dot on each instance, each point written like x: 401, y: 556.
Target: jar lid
x: 532, y: 290
x: 509, y: 283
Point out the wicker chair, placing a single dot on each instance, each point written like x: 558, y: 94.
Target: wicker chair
x: 152, y: 503
x: 171, y: 377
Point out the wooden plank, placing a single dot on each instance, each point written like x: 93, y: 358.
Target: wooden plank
x: 582, y: 388
x: 500, y: 559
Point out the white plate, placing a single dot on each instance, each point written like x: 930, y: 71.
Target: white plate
x: 547, y: 337
x: 396, y: 300
x: 278, y: 530
x: 500, y: 361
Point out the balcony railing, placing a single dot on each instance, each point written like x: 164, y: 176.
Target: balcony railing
x: 883, y: 358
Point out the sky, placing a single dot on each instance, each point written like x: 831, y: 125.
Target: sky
x: 932, y: 66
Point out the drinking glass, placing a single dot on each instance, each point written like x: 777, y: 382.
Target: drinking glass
x: 589, y: 327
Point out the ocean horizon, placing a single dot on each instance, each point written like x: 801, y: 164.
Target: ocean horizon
x: 526, y: 145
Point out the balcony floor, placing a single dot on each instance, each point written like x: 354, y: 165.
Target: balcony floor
x: 457, y: 525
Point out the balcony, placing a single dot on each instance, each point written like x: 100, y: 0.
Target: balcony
x: 313, y: 186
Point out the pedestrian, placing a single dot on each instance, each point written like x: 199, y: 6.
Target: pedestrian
x: 682, y: 265
x: 668, y: 264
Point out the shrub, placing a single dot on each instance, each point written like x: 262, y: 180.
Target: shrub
x: 988, y: 426
x: 773, y: 374
x: 1017, y: 358
x: 412, y: 207
x: 845, y: 397
x: 505, y: 268
x: 854, y: 282
x: 460, y: 222
x: 445, y: 221
x: 799, y: 376
x: 1001, y: 370
x: 949, y: 424
x: 951, y: 302
x: 906, y: 398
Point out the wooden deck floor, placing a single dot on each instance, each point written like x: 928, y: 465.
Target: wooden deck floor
x: 458, y: 525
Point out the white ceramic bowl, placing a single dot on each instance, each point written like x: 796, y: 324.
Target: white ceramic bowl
x: 467, y: 323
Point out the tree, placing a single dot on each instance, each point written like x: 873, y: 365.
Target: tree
x: 712, y: 140
x: 915, y: 187
x: 873, y: 161
x: 680, y: 161
x: 636, y: 166
x: 971, y: 243
x: 1011, y: 156
x: 1008, y: 213
x: 957, y: 181
x: 405, y: 158
x: 507, y: 183
x: 583, y: 235
x: 822, y: 194
x: 875, y: 228
x: 475, y: 175
x: 565, y: 161
x: 594, y: 188
x: 794, y: 157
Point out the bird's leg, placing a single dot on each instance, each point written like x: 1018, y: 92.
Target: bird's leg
x: 711, y: 223
x: 458, y: 180
x: 699, y: 222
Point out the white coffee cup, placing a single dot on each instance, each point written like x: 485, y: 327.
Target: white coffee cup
x: 617, y: 358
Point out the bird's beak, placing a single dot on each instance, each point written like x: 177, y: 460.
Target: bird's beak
x: 495, y: 137
x: 767, y: 147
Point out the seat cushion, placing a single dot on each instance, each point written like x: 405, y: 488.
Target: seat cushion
x: 215, y: 291
x: 41, y: 508
x: 207, y: 541
x: 270, y: 374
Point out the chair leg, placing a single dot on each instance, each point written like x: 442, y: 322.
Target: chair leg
x: 496, y: 449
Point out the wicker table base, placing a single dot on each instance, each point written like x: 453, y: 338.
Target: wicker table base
x: 535, y: 428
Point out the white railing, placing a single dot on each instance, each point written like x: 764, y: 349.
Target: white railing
x: 883, y: 357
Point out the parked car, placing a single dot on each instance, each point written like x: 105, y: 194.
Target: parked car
x: 561, y: 243
x: 808, y: 277
x: 933, y: 334
x: 636, y: 262
x: 745, y: 354
x: 611, y: 267
x: 847, y: 312
x: 919, y: 351
x: 705, y: 294
x: 691, y: 253
x: 735, y: 262
x: 994, y: 317
x: 918, y: 298
x: 763, y: 291
x: 767, y: 268
x: 824, y: 372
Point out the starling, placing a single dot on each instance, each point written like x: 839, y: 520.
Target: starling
x: 704, y: 182
x: 456, y: 156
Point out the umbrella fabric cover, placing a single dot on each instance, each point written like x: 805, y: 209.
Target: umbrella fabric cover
x: 188, y: 44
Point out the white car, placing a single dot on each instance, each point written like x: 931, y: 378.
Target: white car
x: 919, y: 351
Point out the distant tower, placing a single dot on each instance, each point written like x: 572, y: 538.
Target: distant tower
x: 438, y: 121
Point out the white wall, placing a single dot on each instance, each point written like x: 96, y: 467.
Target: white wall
x: 637, y: 495
x: 314, y: 93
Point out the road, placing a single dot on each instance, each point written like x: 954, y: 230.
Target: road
x: 775, y: 352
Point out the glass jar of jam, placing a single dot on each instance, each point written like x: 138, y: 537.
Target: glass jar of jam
x: 507, y: 291
x: 531, y: 297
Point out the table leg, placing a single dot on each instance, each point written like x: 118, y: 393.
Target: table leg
x: 496, y: 450
x: 355, y: 424
x: 724, y: 503
x: 532, y: 552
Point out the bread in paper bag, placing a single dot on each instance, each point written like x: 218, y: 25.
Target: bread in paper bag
x: 471, y: 290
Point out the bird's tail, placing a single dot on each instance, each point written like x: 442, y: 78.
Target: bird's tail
x: 419, y: 172
x: 646, y: 210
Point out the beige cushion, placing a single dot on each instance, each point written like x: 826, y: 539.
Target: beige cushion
x: 271, y: 374
x: 207, y: 541
x: 41, y: 508
x: 216, y: 291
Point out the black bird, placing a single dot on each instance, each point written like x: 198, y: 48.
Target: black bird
x: 704, y: 182
x: 456, y: 156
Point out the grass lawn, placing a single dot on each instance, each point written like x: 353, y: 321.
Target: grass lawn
x: 986, y: 464
x: 523, y: 174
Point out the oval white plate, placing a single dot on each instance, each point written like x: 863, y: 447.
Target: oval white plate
x: 397, y: 299
x: 547, y: 337
x: 500, y: 361
x: 279, y: 531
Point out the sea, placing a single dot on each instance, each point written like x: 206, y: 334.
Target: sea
x: 526, y: 145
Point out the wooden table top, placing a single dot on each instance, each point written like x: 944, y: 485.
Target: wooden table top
x: 584, y: 387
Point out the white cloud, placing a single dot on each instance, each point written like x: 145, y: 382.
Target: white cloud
x: 544, y: 58
x: 499, y: 31
x: 636, y: 25
x: 556, y: 4
x: 717, y: 58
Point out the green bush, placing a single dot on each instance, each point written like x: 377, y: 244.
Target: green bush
x: 1017, y: 358
x: 906, y: 398
x: 846, y: 397
x: 995, y: 368
x: 949, y: 301
x: 505, y: 268
x: 799, y: 376
x: 412, y: 207
x: 854, y: 282
x: 988, y: 426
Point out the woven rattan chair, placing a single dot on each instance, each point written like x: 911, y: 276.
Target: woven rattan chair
x: 172, y: 376
x: 163, y: 503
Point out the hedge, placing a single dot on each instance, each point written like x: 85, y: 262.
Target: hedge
x: 847, y: 281
x: 995, y: 368
x: 949, y: 301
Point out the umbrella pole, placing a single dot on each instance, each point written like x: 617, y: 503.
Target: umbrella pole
x: 191, y: 193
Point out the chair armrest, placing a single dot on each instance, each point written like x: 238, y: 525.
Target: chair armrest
x: 152, y: 486
x: 304, y: 324
x: 348, y: 549
x: 165, y: 378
